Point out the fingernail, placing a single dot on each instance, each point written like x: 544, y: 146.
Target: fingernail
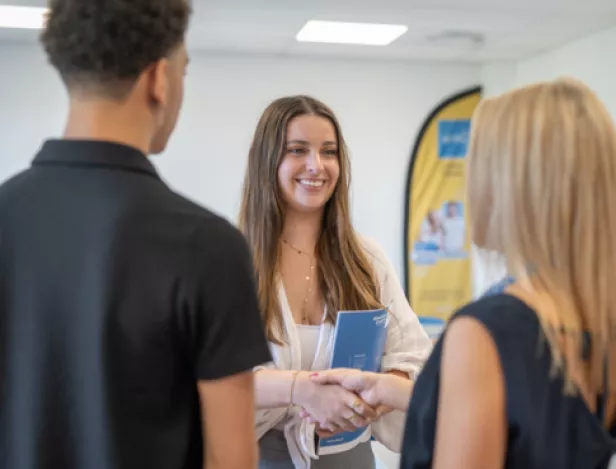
x: 314, y: 375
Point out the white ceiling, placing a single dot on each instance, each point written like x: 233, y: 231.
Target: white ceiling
x: 511, y: 30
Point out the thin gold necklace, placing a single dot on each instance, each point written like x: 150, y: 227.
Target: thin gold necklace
x: 308, y: 281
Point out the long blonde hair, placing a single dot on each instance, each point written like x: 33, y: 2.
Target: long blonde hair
x: 542, y: 191
x: 347, y: 279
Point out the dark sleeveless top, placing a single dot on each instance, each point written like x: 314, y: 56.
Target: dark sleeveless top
x: 546, y: 428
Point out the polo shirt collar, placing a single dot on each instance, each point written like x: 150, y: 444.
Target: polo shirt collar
x: 94, y: 153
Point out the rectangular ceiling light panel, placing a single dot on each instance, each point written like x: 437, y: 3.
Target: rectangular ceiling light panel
x: 22, y: 17
x: 351, y: 33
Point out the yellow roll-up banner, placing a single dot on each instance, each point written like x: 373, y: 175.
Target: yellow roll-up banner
x: 437, y: 242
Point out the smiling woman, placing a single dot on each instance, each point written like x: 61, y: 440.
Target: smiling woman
x: 309, y: 170
x: 310, y: 264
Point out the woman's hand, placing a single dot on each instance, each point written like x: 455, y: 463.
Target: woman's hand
x: 333, y: 407
x: 359, y: 382
x: 381, y: 391
x: 362, y: 384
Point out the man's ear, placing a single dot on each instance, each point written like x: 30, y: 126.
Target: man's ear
x: 158, y: 82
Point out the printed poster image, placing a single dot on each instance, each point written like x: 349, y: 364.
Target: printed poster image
x: 442, y: 234
x: 437, y: 242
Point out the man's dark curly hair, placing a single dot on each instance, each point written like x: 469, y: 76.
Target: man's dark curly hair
x: 107, y: 44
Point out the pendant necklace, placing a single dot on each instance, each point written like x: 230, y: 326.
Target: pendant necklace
x: 308, y: 281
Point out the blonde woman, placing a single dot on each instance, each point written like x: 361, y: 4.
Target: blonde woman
x: 526, y: 379
x: 310, y: 264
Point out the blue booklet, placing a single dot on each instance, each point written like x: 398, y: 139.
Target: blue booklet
x: 359, y: 342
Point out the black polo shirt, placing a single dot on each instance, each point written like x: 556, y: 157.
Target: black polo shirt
x: 116, y: 296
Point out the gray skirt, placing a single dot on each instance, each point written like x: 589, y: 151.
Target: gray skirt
x: 275, y: 455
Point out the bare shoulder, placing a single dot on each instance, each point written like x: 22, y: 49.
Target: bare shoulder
x: 470, y: 356
x: 471, y: 425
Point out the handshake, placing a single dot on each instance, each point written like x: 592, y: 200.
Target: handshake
x: 342, y: 400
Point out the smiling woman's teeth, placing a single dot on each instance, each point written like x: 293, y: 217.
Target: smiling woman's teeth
x: 310, y: 183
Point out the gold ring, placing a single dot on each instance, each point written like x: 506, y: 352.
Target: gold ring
x: 357, y: 404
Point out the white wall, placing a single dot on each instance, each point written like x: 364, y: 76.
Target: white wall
x: 590, y: 59
x: 381, y: 106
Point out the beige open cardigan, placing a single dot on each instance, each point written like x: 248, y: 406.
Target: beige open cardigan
x: 406, y: 349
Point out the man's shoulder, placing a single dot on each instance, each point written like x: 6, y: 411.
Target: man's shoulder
x: 214, y: 229
x: 9, y: 185
x: 15, y: 189
x: 209, y: 227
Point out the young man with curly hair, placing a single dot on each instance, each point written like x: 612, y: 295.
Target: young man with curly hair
x: 129, y: 323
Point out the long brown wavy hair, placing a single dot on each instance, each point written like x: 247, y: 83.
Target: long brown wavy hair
x: 347, y: 279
